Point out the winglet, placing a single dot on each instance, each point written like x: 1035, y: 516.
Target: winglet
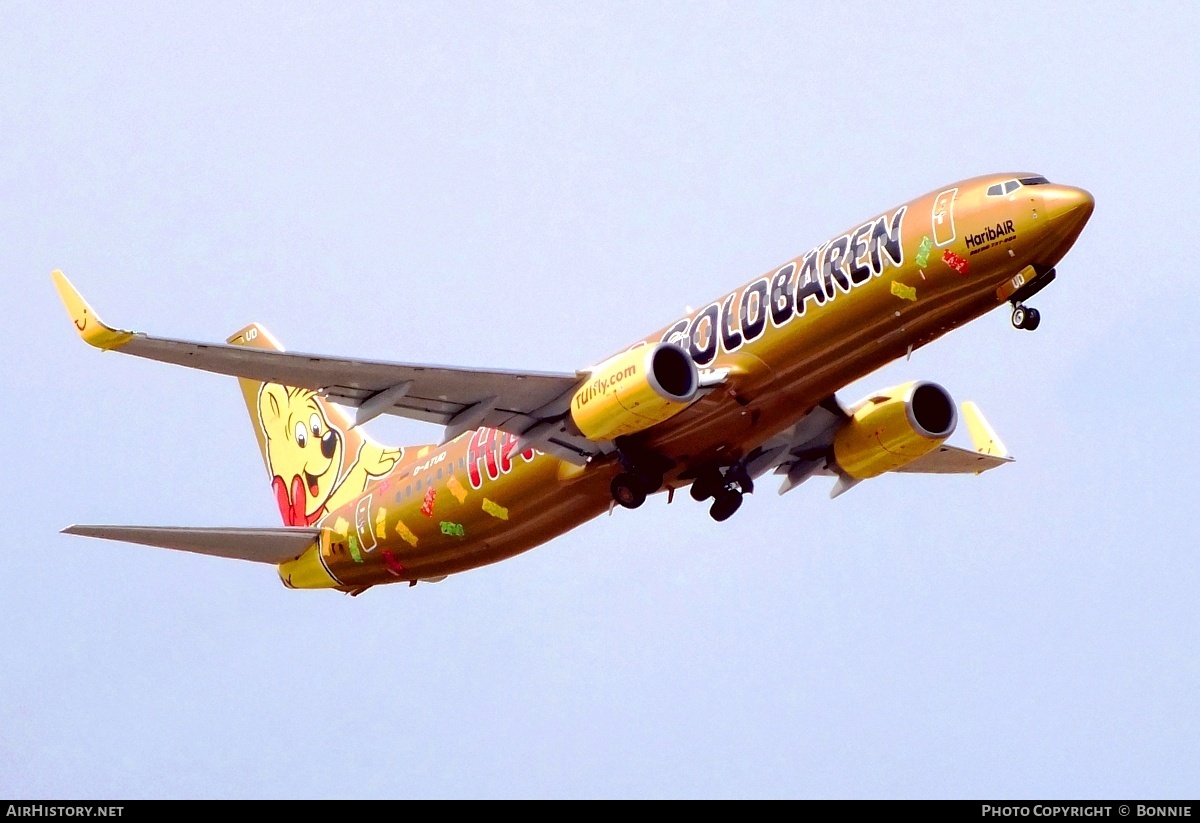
x: 89, y: 325
x: 983, y: 436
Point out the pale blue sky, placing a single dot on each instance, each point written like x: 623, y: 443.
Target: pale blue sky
x: 534, y: 186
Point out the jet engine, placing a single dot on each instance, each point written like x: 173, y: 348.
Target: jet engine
x: 634, y: 391
x: 893, y: 428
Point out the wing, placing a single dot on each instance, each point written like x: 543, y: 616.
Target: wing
x: 805, y: 450
x: 532, y: 405
x: 258, y: 545
x: 953, y: 460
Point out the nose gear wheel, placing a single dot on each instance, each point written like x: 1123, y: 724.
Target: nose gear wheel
x: 1025, y: 318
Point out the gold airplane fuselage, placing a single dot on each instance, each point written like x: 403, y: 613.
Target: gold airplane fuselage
x: 778, y: 346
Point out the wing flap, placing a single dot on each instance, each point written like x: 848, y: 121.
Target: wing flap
x: 257, y: 545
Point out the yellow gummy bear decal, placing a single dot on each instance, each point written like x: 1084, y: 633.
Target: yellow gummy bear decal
x: 903, y: 292
x: 381, y: 523
x: 495, y: 509
x: 406, y: 533
x: 456, y: 489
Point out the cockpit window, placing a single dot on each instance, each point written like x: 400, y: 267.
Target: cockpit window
x: 1009, y: 186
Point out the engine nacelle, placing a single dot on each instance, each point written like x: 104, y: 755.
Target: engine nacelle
x: 893, y: 428
x: 635, y: 390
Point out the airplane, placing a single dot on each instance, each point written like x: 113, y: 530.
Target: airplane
x: 742, y: 387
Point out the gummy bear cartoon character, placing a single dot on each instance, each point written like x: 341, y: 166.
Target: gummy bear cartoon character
x: 306, y: 455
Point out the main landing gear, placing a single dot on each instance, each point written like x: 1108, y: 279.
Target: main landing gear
x: 643, y: 474
x: 629, y: 488
x: 726, y: 490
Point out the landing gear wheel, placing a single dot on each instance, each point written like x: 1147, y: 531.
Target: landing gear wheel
x: 650, y: 481
x: 706, y: 486
x: 726, y: 503
x: 1026, y: 318
x: 627, y: 491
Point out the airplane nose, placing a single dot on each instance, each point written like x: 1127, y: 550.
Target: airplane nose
x: 1067, y: 207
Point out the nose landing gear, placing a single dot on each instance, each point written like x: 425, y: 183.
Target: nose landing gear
x: 1025, y: 285
x: 1025, y: 318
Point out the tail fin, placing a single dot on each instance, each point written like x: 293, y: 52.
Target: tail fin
x: 315, y: 458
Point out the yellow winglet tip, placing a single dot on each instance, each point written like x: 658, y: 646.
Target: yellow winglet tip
x: 983, y: 436
x: 87, y: 323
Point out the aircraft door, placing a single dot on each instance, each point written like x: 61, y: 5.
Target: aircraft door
x: 362, y: 523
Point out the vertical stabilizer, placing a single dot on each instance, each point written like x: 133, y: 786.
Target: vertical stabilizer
x: 316, y: 460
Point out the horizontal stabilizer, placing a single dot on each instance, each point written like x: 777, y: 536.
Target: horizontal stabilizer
x: 259, y: 545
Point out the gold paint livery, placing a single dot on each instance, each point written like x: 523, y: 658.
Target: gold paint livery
x: 739, y: 389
